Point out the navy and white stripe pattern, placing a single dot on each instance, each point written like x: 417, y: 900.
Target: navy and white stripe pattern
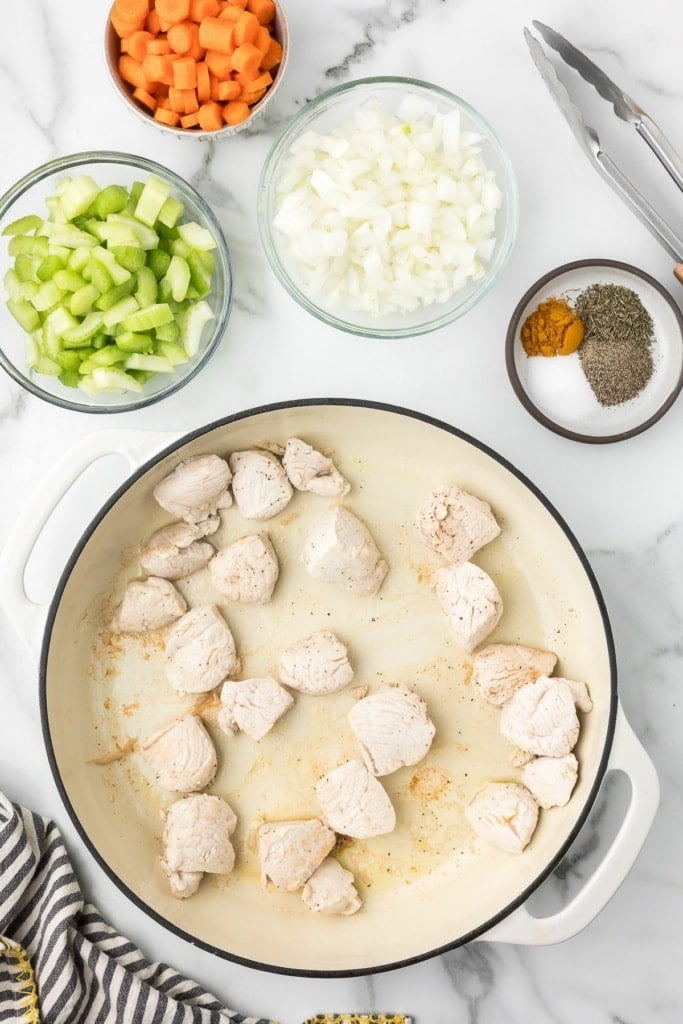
x: 86, y: 972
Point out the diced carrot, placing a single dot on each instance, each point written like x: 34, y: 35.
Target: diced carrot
x: 184, y: 73
x: 133, y: 72
x: 235, y: 112
x: 263, y: 10
x: 273, y: 56
x: 238, y: 3
x: 210, y: 117
x: 214, y: 84
x: 176, y: 100
x: 230, y: 13
x: 168, y: 117
x: 228, y: 91
x: 164, y: 102
x: 251, y: 96
x: 262, y: 41
x: 203, y: 83
x: 247, y: 59
x: 172, y: 11
x: 158, y: 67
x: 136, y: 44
x: 125, y: 26
x: 160, y: 45
x: 191, y: 101
x: 181, y: 36
x: 189, y: 120
x: 219, y: 64
x: 145, y: 99
x: 215, y: 34
x: 132, y: 10
x: 246, y: 28
x: 200, y: 9
x: 261, y: 81
x: 153, y: 23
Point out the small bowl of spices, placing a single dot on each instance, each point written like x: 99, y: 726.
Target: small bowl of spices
x: 594, y: 350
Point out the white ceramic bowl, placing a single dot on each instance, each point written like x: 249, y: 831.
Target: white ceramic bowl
x: 324, y: 114
x: 545, y: 385
x: 28, y: 196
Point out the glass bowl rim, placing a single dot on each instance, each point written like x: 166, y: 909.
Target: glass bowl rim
x: 103, y: 156
x: 278, y: 149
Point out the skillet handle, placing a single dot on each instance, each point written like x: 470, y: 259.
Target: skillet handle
x: 28, y: 617
x: 628, y: 756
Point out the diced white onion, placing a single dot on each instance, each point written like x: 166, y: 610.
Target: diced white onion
x: 388, y: 212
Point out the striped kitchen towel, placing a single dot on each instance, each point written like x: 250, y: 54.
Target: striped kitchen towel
x: 85, y: 972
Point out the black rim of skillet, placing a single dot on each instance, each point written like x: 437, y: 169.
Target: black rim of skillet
x: 511, y: 339
x: 459, y: 940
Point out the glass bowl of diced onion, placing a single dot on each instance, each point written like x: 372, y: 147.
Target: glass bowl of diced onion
x: 387, y: 207
x: 116, y: 282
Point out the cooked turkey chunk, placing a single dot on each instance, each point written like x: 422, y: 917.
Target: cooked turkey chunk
x: 197, y: 839
x: 392, y: 728
x: 582, y: 697
x: 340, y: 549
x: 247, y: 570
x: 310, y: 470
x: 175, y: 551
x: 148, y: 604
x: 331, y: 890
x: 471, y: 601
x: 551, y: 779
x: 541, y: 718
x: 181, y: 755
x: 290, y: 851
x: 500, y: 669
x: 455, y: 524
x: 505, y: 814
x: 355, y: 803
x: 317, y: 665
x: 196, y: 489
x: 200, y: 651
x: 253, y: 705
x: 259, y: 484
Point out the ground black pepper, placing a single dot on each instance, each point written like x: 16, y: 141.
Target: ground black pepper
x: 616, y: 354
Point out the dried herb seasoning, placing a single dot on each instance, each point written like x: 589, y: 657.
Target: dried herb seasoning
x: 616, y: 354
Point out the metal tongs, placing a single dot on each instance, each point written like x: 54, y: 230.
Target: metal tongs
x: 625, y: 108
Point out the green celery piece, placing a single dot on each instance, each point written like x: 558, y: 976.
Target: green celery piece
x: 70, y: 360
x: 127, y: 341
x: 28, y: 245
x: 112, y: 199
x: 194, y: 321
x: 200, y: 275
x: 113, y: 295
x: 12, y: 283
x: 55, y: 325
x: 146, y: 293
x: 99, y: 341
x: 158, y: 261
x: 150, y: 363
x: 98, y: 276
x: 24, y: 225
x: 25, y: 267
x: 31, y: 350
x: 196, y: 236
x: 170, y: 213
x: 108, y: 356
x: 47, y: 366
x: 118, y: 313
x: 79, y: 258
x: 117, y: 234
x: 57, y: 215
x: 82, y: 300
x: 78, y: 194
x: 117, y: 273
x: 27, y: 290
x: 69, y: 378
x: 134, y: 195
x: 77, y: 337
x: 131, y: 257
x: 152, y: 198
x: 24, y: 313
x: 93, y: 226
x: 180, y: 248
x: 70, y: 237
x: 48, y: 295
x: 141, y: 376
x: 178, y: 276
x: 47, y: 268
x: 175, y: 354
x: 168, y: 332
x: 168, y: 234
x: 165, y: 292
x: 148, y: 238
x: 149, y: 318
x: 68, y: 280
x: 111, y: 378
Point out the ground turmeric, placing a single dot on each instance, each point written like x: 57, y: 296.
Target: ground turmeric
x: 553, y: 329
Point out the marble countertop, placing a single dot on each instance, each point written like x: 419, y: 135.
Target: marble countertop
x: 624, y: 501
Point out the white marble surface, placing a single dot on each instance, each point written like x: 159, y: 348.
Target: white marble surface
x: 625, y: 501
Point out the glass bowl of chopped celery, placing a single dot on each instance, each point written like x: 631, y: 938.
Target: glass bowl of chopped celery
x: 117, y: 282
x: 387, y: 207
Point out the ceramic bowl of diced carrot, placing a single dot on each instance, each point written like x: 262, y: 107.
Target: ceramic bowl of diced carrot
x: 204, y: 68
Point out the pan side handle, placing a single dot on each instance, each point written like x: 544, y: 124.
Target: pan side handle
x: 28, y: 617
x: 628, y: 756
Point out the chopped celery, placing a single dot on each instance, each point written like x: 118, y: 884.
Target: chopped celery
x: 175, y: 354
x: 127, y: 341
x: 152, y: 198
x: 168, y: 332
x: 47, y: 295
x: 68, y: 280
x: 132, y: 257
x: 113, y: 295
x: 178, y: 276
x: 69, y: 378
x: 147, y: 238
x: 47, y: 366
x: 23, y: 225
x: 196, y: 318
x: 148, y: 318
x: 146, y: 293
x: 82, y: 300
x: 111, y: 199
x: 158, y: 262
x: 153, y: 364
x: 76, y: 337
x: 117, y: 313
x: 24, y: 313
x: 77, y: 196
x: 196, y: 236
x: 170, y: 213
x: 117, y: 273
x: 200, y: 274
x: 111, y: 378
x: 31, y: 350
x: 29, y: 245
x: 25, y: 267
x: 98, y: 276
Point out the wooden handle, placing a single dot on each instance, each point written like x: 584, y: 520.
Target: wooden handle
x: 678, y: 272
